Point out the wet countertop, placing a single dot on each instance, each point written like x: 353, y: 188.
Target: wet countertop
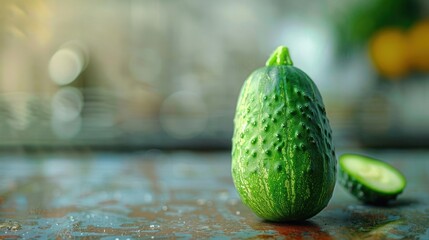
x: 182, y: 195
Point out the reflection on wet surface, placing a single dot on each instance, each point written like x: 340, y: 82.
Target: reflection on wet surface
x: 9, y: 225
x: 177, y: 195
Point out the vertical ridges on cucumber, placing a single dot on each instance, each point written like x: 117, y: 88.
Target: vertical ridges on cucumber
x: 283, y: 160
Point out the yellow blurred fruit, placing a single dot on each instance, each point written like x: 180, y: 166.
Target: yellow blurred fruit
x: 389, y: 53
x: 418, y: 37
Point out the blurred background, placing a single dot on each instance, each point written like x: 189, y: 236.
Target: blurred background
x: 167, y: 74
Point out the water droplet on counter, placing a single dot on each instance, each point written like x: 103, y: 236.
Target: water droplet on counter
x: 154, y: 226
x: 201, y: 201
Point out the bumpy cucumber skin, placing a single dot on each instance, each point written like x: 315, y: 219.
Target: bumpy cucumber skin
x: 283, y: 158
x: 361, y: 192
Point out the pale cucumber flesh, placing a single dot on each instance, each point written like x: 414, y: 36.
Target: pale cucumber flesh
x: 373, y: 173
x: 369, y: 179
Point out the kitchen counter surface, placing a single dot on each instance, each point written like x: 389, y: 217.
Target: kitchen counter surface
x: 182, y: 195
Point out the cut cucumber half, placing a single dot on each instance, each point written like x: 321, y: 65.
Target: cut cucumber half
x: 370, y: 180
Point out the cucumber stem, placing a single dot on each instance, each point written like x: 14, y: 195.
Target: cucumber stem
x: 279, y: 57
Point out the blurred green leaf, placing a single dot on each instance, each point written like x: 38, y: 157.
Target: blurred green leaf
x: 357, y: 25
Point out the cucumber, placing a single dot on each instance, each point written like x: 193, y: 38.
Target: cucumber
x: 370, y: 180
x: 283, y: 158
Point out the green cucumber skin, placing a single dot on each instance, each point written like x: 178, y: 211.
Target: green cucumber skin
x: 361, y: 192
x: 283, y: 159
